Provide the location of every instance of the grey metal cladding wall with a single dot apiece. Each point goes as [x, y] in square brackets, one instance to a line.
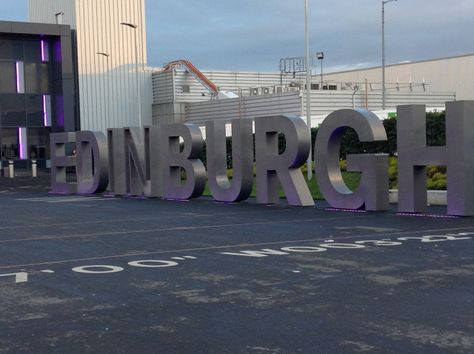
[44, 11]
[162, 84]
[244, 107]
[225, 80]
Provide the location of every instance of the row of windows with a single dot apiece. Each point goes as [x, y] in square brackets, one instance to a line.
[37, 145]
[23, 50]
[22, 111]
[36, 77]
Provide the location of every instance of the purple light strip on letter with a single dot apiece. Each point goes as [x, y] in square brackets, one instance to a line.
[346, 210]
[429, 215]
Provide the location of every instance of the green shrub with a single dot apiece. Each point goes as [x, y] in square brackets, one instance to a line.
[392, 172]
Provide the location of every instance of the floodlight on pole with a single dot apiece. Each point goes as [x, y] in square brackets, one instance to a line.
[320, 56]
[135, 28]
[383, 50]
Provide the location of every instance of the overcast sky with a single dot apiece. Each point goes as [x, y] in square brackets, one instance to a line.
[254, 34]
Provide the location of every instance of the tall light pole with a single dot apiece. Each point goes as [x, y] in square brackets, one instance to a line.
[320, 56]
[383, 50]
[139, 98]
[308, 86]
[107, 103]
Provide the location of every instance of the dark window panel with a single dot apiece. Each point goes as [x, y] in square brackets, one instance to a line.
[37, 78]
[11, 49]
[32, 50]
[9, 144]
[7, 77]
[12, 110]
[34, 111]
[38, 143]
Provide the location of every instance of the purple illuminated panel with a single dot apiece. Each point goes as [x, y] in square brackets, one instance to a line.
[47, 110]
[59, 105]
[44, 51]
[20, 77]
[22, 143]
[57, 51]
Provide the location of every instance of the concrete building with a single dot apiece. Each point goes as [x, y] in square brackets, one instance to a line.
[114, 88]
[36, 90]
[178, 96]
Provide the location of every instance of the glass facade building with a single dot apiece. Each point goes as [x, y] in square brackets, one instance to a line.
[36, 90]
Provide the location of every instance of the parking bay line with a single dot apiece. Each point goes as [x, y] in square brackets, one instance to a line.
[155, 217]
[175, 228]
[212, 248]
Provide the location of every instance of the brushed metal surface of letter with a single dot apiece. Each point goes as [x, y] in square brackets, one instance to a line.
[60, 161]
[284, 168]
[155, 156]
[414, 155]
[221, 187]
[373, 189]
[116, 143]
[174, 160]
[92, 162]
[129, 161]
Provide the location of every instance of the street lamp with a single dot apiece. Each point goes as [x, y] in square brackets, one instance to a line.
[383, 50]
[308, 86]
[106, 56]
[320, 56]
[135, 28]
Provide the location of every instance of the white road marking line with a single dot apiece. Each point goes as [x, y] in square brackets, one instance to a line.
[370, 228]
[20, 277]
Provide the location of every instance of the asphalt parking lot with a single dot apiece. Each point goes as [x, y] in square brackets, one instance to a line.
[128, 275]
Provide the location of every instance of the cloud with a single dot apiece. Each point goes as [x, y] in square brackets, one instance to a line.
[255, 34]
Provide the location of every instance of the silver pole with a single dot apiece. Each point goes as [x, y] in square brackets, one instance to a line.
[383, 51]
[383, 55]
[321, 74]
[308, 87]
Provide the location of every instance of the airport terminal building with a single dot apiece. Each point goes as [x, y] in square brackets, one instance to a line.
[37, 90]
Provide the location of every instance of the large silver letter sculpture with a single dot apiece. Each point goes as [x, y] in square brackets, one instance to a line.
[174, 161]
[242, 160]
[373, 188]
[60, 161]
[155, 162]
[92, 162]
[457, 155]
[129, 161]
[273, 167]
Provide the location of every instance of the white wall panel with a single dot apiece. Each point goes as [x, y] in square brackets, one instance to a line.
[455, 74]
[108, 87]
[244, 108]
